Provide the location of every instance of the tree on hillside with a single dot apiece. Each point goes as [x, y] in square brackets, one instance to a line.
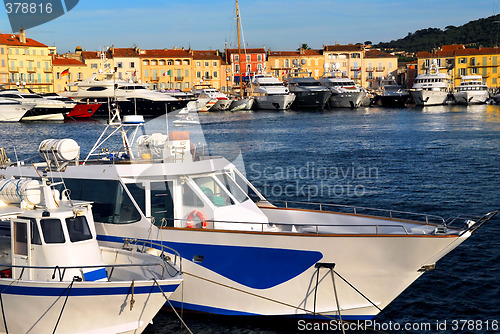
[304, 46]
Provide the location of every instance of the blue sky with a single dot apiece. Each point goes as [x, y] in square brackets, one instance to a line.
[277, 24]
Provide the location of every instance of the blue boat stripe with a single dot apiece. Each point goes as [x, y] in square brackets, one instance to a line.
[83, 291]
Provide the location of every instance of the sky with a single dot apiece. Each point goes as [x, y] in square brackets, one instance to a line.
[277, 24]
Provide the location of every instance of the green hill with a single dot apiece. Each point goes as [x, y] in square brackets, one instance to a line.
[482, 32]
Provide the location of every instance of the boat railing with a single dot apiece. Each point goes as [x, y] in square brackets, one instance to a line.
[144, 245]
[60, 271]
[301, 228]
[359, 210]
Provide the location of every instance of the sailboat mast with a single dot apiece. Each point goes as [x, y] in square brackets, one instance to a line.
[239, 46]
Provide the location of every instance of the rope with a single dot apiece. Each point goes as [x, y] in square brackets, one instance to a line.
[173, 308]
[132, 300]
[64, 305]
[336, 298]
[282, 303]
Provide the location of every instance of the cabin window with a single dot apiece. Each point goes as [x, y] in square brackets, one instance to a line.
[138, 194]
[233, 188]
[242, 183]
[162, 204]
[215, 193]
[111, 203]
[21, 238]
[78, 229]
[52, 231]
[35, 235]
[189, 197]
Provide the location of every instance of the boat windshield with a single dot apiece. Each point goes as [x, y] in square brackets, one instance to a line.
[215, 192]
[233, 188]
[78, 229]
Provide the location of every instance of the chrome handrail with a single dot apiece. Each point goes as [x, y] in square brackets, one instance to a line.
[57, 269]
[356, 209]
[144, 243]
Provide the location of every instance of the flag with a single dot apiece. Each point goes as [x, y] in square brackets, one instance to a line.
[169, 72]
[359, 69]
[65, 72]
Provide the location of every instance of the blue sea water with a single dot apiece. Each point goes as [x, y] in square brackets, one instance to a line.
[442, 160]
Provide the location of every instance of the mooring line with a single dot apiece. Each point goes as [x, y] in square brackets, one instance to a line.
[173, 308]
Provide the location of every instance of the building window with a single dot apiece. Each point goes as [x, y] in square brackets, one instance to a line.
[237, 68]
[185, 62]
[474, 71]
[206, 64]
[215, 74]
[42, 52]
[154, 62]
[198, 64]
[462, 60]
[390, 65]
[259, 57]
[198, 74]
[249, 58]
[355, 55]
[463, 71]
[473, 61]
[177, 62]
[132, 64]
[119, 65]
[58, 75]
[162, 62]
[146, 73]
[287, 63]
[186, 73]
[145, 62]
[93, 66]
[1, 51]
[236, 58]
[155, 75]
[214, 64]
[3, 63]
[259, 67]
[170, 62]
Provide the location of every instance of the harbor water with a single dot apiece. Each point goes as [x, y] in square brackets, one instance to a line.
[442, 160]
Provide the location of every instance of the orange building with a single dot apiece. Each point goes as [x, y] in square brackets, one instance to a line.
[66, 71]
[166, 68]
[207, 68]
[280, 63]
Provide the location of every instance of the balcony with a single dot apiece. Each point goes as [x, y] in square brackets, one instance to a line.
[369, 69]
[355, 69]
[207, 77]
[31, 70]
[380, 69]
[179, 78]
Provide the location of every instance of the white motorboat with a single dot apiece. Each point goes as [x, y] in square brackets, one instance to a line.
[472, 90]
[391, 94]
[241, 254]
[185, 120]
[132, 98]
[309, 92]
[43, 109]
[430, 88]
[345, 93]
[56, 278]
[222, 102]
[241, 103]
[13, 110]
[271, 93]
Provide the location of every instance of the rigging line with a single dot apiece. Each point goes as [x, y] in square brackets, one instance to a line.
[336, 298]
[281, 303]
[173, 308]
[355, 289]
[64, 305]
[1, 305]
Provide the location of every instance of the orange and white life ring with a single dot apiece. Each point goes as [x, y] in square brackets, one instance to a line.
[190, 220]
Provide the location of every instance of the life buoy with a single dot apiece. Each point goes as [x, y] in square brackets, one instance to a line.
[200, 216]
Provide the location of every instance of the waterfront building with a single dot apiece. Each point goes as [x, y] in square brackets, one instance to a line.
[166, 68]
[253, 61]
[127, 63]
[208, 68]
[281, 63]
[67, 70]
[379, 65]
[350, 60]
[29, 62]
[97, 61]
[4, 70]
[459, 61]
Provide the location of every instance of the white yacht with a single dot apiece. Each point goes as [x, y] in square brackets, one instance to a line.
[345, 93]
[271, 93]
[221, 101]
[431, 88]
[13, 110]
[131, 98]
[391, 94]
[43, 109]
[472, 90]
[56, 277]
[241, 254]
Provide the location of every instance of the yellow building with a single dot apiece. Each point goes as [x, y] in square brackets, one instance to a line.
[4, 70]
[280, 63]
[68, 70]
[29, 62]
[378, 65]
[166, 69]
[207, 68]
[350, 60]
[97, 61]
[459, 61]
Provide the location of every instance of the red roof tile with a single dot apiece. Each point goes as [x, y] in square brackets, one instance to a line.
[162, 53]
[62, 61]
[124, 52]
[338, 47]
[378, 54]
[13, 40]
[205, 54]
